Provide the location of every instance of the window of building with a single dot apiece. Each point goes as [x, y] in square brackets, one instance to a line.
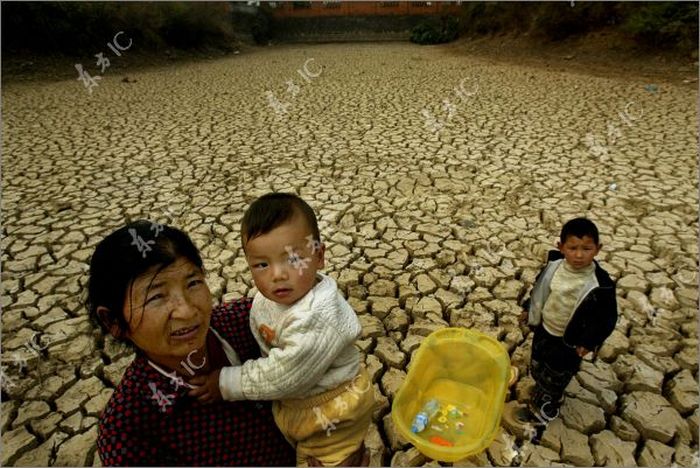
[301, 5]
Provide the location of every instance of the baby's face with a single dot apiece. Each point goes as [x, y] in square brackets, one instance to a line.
[579, 253]
[284, 261]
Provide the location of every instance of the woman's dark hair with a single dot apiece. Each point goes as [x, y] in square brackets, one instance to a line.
[123, 256]
[272, 210]
[579, 227]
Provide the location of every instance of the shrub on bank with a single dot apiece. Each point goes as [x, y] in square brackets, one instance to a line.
[665, 23]
[436, 31]
[74, 28]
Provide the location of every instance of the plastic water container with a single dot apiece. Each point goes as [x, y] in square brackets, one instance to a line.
[467, 372]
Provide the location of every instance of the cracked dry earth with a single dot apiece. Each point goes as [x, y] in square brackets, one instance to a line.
[428, 225]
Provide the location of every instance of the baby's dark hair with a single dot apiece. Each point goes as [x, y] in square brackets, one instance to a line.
[118, 260]
[272, 210]
[579, 227]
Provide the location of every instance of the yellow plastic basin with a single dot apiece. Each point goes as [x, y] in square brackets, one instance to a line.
[460, 368]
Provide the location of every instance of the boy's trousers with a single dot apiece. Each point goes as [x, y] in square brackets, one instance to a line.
[553, 364]
[330, 426]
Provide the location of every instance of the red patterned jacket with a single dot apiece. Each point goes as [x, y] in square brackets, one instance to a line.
[135, 429]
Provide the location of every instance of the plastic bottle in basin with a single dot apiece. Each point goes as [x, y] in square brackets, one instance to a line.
[423, 417]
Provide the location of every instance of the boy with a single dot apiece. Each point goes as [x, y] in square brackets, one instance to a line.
[572, 309]
[306, 332]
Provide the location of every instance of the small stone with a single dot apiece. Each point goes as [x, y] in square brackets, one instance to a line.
[392, 381]
[76, 450]
[396, 440]
[411, 342]
[552, 435]
[388, 352]
[425, 306]
[30, 410]
[114, 372]
[655, 454]
[509, 290]
[687, 359]
[72, 424]
[380, 306]
[7, 413]
[425, 285]
[98, 403]
[694, 424]
[375, 446]
[374, 367]
[480, 459]
[623, 429]
[652, 415]
[410, 457]
[75, 396]
[609, 450]
[425, 327]
[644, 378]
[536, 455]
[365, 345]
[372, 327]
[383, 288]
[682, 391]
[582, 416]
[16, 443]
[41, 456]
[397, 320]
[616, 344]
[632, 283]
[74, 350]
[502, 450]
[575, 448]
[46, 425]
[382, 405]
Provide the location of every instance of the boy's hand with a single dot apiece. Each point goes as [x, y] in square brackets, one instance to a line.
[207, 390]
[581, 351]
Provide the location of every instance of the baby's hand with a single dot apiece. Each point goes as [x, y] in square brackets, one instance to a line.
[207, 390]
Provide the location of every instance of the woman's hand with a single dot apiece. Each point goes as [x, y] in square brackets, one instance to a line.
[581, 351]
[207, 390]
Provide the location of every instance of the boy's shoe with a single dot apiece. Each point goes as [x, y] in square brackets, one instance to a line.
[525, 416]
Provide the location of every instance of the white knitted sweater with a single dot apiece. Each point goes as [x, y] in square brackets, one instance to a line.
[307, 347]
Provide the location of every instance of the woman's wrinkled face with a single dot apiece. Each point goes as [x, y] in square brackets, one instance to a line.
[168, 313]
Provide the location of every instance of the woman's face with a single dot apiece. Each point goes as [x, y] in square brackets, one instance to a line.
[168, 314]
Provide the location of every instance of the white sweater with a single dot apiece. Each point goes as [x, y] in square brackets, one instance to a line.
[311, 347]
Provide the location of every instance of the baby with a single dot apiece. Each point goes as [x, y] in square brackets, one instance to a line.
[306, 332]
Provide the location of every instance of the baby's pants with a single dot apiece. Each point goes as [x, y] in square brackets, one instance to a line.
[330, 426]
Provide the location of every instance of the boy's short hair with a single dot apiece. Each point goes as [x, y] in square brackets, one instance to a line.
[272, 210]
[579, 227]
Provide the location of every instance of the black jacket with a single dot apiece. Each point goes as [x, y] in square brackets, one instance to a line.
[596, 315]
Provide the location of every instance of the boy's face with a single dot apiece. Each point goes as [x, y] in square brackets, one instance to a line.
[283, 263]
[579, 252]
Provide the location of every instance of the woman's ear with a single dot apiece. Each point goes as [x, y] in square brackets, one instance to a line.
[104, 315]
[321, 256]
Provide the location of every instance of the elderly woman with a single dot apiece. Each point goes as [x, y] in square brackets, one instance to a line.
[147, 287]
